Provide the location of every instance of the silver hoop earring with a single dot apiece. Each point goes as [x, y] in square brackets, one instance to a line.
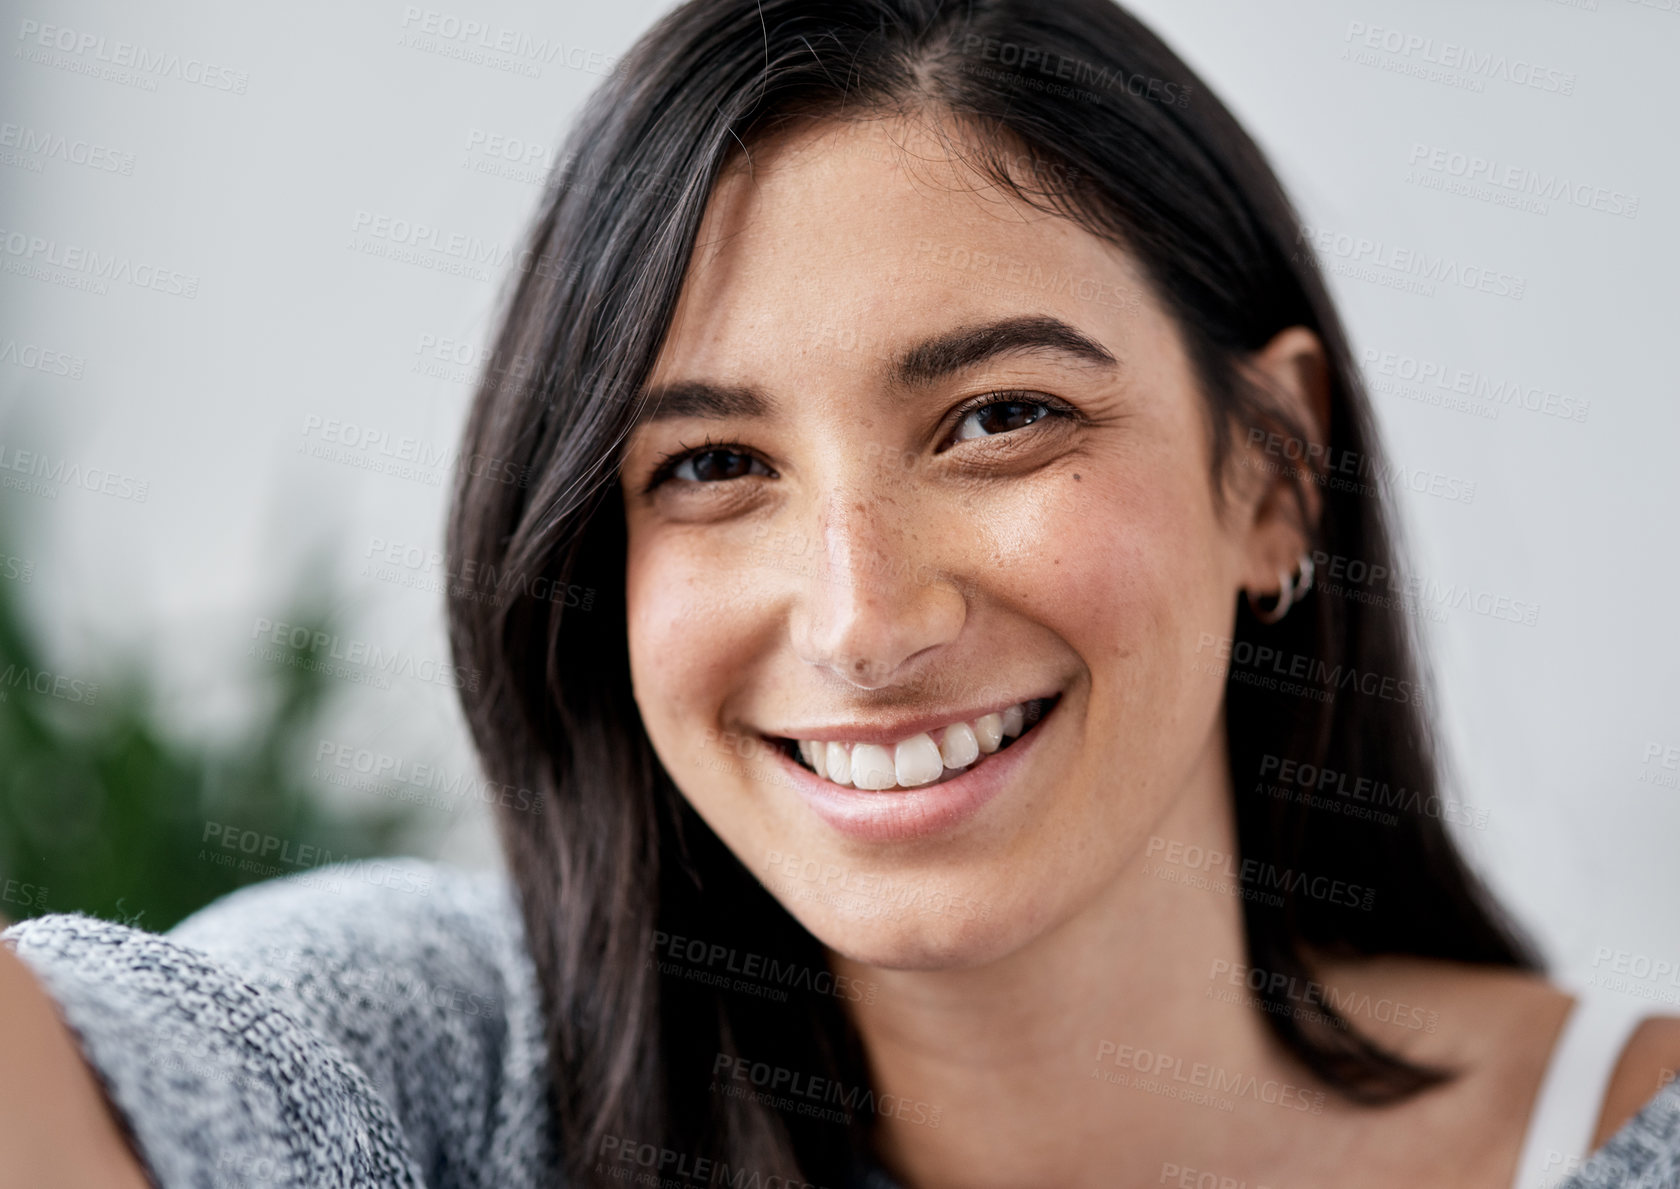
[1290, 592]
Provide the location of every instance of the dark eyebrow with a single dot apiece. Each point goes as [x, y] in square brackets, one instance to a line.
[693, 398]
[928, 361]
[969, 346]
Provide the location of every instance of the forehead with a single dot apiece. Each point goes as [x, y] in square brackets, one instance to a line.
[846, 241]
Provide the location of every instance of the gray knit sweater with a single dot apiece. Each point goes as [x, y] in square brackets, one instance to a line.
[377, 1024]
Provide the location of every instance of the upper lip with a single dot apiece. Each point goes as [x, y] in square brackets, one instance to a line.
[887, 731]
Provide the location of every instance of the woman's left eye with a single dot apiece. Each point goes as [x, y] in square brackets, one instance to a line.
[1001, 416]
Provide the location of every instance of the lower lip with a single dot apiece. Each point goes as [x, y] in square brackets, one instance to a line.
[901, 815]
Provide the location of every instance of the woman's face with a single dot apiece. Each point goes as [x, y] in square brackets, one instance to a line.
[865, 556]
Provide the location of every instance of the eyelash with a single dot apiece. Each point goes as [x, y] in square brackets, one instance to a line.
[670, 462]
[1054, 408]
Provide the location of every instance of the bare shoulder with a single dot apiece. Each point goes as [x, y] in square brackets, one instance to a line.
[1492, 1017]
[1647, 1064]
[1491, 1028]
[1509, 1020]
[1500, 1026]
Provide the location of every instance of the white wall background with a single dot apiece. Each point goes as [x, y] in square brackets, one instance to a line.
[258, 195]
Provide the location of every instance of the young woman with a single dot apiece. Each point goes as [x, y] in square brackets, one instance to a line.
[957, 779]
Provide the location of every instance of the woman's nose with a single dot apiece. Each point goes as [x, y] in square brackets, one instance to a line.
[878, 598]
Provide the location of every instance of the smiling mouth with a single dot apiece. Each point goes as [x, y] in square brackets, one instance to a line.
[922, 760]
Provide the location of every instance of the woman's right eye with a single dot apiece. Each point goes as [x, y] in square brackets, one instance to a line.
[716, 464]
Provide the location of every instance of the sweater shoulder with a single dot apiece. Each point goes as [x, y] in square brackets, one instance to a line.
[1645, 1152]
[420, 973]
[388, 998]
[398, 915]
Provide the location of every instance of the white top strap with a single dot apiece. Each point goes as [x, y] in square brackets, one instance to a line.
[1560, 1127]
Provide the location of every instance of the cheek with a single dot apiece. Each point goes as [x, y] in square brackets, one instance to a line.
[1123, 562]
[1127, 568]
[695, 616]
[678, 619]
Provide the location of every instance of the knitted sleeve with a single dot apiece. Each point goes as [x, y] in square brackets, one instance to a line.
[367, 1024]
[1644, 1154]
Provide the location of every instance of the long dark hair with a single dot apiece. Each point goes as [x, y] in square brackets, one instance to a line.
[1129, 143]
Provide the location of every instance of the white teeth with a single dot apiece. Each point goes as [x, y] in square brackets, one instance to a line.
[872, 766]
[916, 761]
[838, 761]
[960, 748]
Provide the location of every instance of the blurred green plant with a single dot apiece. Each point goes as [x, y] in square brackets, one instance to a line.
[103, 812]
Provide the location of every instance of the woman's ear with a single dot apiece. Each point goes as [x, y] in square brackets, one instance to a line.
[1295, 373]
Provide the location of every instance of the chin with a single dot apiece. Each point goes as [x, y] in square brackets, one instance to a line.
[951, 932]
